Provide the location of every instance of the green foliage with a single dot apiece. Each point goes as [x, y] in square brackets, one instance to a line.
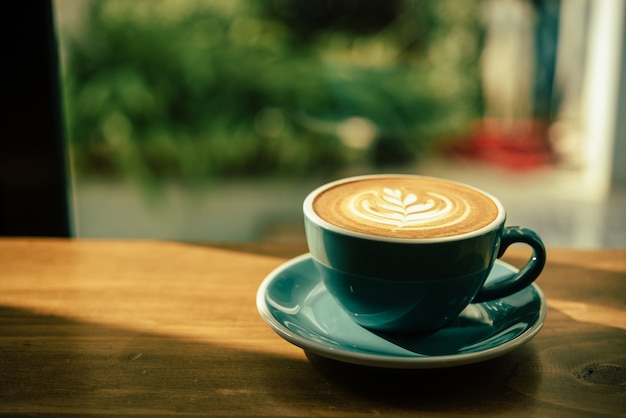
[198, 89]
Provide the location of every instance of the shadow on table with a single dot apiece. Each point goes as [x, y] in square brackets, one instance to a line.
[63, 367]
[479, 387]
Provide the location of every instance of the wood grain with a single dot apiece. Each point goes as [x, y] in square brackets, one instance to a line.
[145, 328]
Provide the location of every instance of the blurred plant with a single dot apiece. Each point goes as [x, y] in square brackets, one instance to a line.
[198, 89]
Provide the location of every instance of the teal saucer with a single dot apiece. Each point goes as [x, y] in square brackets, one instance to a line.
[295, 304]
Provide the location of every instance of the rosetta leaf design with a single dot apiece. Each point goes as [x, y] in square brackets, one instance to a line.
[401, 209]
[399, 205]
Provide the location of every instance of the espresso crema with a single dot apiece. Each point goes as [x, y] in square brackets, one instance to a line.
[406, 207]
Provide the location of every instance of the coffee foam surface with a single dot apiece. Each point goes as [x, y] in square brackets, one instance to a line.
[406, 207]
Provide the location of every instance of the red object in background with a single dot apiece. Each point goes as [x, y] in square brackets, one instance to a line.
[515, 144]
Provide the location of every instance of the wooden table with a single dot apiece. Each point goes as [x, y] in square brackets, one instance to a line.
[145, 328]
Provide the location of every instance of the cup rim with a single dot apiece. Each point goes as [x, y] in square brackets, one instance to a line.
[316, 219]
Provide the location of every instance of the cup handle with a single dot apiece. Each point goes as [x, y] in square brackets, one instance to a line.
[526, 274]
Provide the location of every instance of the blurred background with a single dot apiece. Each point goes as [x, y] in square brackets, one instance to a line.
[210, 120]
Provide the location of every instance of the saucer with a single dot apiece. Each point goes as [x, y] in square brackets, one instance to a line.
[296, 305]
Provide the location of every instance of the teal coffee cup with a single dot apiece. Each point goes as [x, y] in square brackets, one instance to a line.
[407, 253]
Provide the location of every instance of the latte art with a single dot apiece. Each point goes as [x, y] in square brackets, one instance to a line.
[406, 207]
[405, 210]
